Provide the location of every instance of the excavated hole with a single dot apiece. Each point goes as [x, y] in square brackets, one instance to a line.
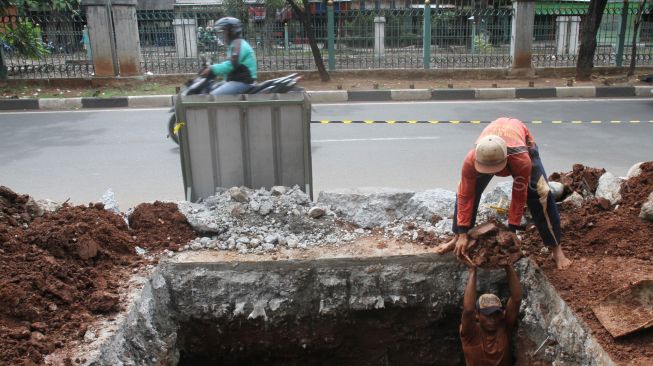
[409, 336]
[402, 310]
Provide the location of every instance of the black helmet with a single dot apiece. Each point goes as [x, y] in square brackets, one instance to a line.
[231, 26]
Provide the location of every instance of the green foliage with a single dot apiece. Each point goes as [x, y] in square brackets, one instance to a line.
[482, 43]
[23, 6]
[25, 38]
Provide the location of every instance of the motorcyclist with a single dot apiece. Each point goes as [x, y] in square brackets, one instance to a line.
[239, 69]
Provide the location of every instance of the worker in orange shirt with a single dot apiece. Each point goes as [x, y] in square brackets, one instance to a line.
[506, 148]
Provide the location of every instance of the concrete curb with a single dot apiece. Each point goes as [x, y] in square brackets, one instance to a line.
[342, 96]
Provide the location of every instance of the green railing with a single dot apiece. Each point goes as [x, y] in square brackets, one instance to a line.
[557, 35]
[62, 35]
[178, 41]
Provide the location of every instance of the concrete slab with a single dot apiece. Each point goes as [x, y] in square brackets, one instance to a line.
[60, 103]
[411, 94]
[328, 96]
[495, 93]
[149, 101]
[576, 92]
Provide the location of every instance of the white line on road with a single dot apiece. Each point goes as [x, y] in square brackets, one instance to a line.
[381, 139]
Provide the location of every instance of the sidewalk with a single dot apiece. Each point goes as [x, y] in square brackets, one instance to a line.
[346, 87]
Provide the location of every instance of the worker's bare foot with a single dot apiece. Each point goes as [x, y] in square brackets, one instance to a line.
[562, 262]
[446, 247]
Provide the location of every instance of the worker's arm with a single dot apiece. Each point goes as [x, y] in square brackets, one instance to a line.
[512, 308]
[466, 194]
[520, 166]
[469, 304]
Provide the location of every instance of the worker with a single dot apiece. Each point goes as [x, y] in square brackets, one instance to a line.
[506, 147]
[486, 327]
[240, 67]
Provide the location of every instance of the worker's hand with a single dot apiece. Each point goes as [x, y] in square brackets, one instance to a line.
[461, 246]
[206, 72]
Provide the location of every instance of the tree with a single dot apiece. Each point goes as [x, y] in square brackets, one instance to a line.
[633, 51]
[305, 19]
[588, 39]
[20, 34]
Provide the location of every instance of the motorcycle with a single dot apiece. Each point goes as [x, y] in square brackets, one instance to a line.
[205, 85]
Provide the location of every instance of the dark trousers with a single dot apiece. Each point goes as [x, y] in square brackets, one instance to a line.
[540, 202]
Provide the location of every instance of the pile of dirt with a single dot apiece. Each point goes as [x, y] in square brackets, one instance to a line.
[581, 179]
[611, 247]
[160, 225]
[62, 269]
[492, 245]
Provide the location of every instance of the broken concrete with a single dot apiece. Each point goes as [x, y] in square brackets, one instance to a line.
[647, 209]
[367, 207]
[425, 204]
[609, 188]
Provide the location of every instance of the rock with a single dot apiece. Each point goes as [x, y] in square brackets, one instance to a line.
[426, 204]
[574, 200]
[483, 229]
[268, 247]
[140, 251]
[37, 336]
[316, 212]
[557, 190]
[647, 209]
[89, 336]
[367, 207]
[292, 242]
[48, 206]
[603, 203]
[272, 238]
[278, 190]
[634, 170]
[238, 194]
[266, 207]
[609, 187]
[500, 196]
[443, 227]
[109, 201]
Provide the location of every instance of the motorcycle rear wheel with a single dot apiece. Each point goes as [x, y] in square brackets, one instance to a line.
[171, 129]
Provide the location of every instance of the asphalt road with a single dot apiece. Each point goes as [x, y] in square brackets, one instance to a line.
[81, 154]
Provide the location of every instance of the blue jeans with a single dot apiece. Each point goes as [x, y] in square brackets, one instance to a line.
[231, 88]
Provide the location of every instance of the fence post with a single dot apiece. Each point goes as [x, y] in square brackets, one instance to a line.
[521, 39]
[100, 32]
[379, 38]
[622, 34]
[128, 46]
[285, 36]
[426, 44]
[330, 35]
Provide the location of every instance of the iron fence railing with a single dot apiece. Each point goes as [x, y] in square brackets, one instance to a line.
[557, 34]
[177, 41]
[62, 34]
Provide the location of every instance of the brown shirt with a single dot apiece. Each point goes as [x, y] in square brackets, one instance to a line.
[482, 349]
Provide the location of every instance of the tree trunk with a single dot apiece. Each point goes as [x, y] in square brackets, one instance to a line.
[633, 51]
[3, 67]
[305, 18]
[588, 39]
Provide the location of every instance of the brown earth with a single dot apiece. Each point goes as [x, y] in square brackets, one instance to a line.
[59, 271]
[611, 248]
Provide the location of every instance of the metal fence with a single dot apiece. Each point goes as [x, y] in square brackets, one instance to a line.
[63, 37]
[557, 35]
[176, 41]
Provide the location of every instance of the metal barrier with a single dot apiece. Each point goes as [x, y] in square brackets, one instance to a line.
[247, 140]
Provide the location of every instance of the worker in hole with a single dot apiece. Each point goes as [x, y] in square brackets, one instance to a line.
[506, 148]
[486, 327]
